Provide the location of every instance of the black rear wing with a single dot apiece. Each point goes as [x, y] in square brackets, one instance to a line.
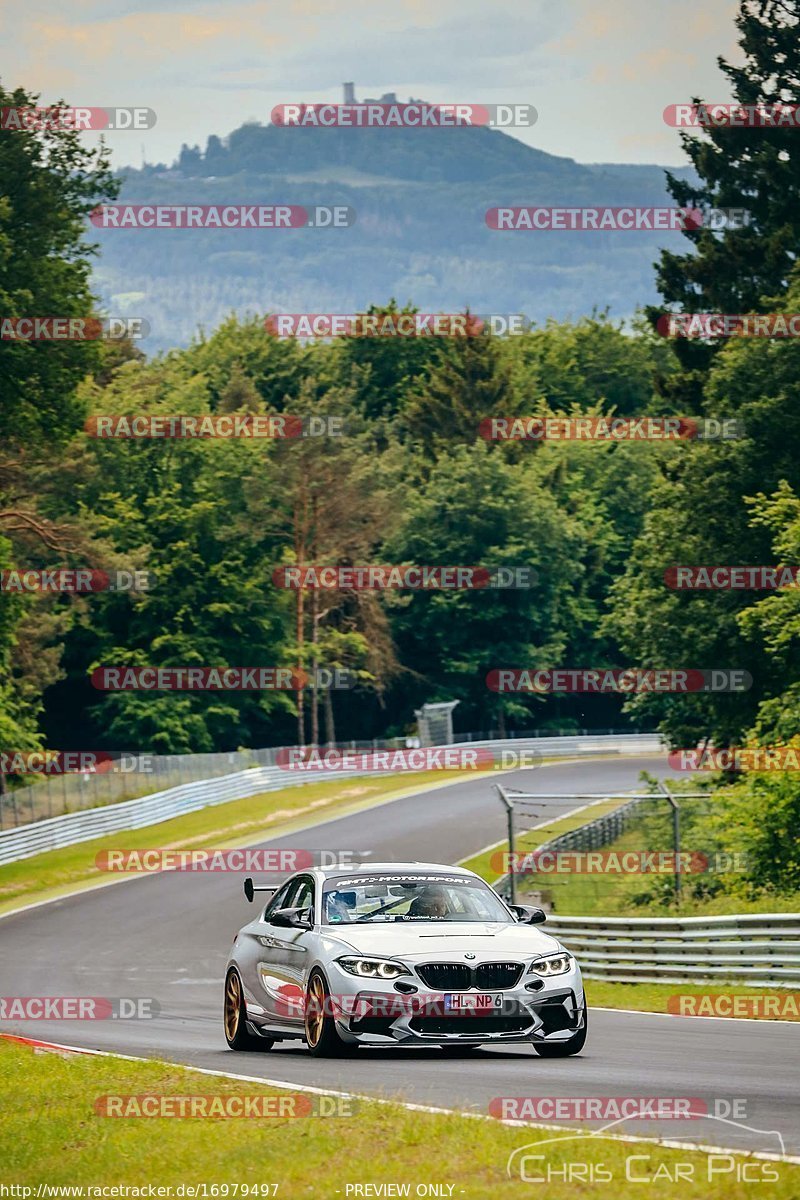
[251, 888]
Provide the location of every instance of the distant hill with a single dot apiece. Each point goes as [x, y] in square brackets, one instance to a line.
[420, 234]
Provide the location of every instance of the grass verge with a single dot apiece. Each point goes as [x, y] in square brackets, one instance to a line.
[481, 863]
[654, 997]
[620, 894]
[54, 1136]
[609, 894]
[230, 825]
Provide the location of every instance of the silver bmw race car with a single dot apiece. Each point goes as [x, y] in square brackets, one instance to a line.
[407, 953]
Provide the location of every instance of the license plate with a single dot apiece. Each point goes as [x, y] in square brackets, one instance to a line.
[472, 1002]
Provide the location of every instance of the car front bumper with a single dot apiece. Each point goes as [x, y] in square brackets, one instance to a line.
[375, 1012]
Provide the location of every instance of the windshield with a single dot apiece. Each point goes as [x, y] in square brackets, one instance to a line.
[412, 897]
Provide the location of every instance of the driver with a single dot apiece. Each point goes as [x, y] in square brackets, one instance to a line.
[431, 902]
[341, 905]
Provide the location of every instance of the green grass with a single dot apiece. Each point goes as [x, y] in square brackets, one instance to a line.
[531, 838]
[615, 895]
[581, 895]
[53, 1135]
[242, 821]
[619, 894]
[654, 997]
[224, 826]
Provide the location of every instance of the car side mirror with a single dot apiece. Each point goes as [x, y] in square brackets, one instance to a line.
[528, 915]
[289, 918]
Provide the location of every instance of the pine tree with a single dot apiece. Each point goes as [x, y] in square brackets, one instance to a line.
[752, 168]
[472, 383]
[240, 393]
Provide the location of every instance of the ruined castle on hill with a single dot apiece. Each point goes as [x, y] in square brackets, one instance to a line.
[386, 98]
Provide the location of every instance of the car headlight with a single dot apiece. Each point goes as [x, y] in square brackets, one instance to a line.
[553, 964]
[372, 968]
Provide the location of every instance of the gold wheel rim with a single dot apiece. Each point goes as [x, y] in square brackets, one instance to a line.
[315, 1011]
[233, 999]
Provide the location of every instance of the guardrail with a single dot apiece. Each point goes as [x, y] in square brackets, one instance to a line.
[71, 828]
[757, 949]
[134, 776]
[90, 823]
[516, 735]
[619, 743]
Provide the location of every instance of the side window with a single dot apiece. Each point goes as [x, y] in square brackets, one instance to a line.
[291, 900]
[279, 899]
[303, 898]
[297, 893]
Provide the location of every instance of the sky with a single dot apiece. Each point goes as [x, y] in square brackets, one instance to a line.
[599, 74]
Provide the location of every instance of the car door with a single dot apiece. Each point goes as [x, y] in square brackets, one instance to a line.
[284, 954]
[252, 952]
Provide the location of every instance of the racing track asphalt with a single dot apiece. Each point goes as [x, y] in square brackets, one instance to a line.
[166, 936]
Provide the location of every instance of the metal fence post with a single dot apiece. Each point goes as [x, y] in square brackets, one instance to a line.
[512, 886]
[676, 837]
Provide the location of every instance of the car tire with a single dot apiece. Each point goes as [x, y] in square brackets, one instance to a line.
[320, 1028]
[234, 1014]
[573, 1045]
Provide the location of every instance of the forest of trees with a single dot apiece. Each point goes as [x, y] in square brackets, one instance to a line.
[411, 481]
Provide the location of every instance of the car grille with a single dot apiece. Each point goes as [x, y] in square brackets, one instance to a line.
[492, 977]
[446, 977]
[475, 1026]
[458, 977]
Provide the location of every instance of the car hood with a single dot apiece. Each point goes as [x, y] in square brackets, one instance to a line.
[442, 940]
